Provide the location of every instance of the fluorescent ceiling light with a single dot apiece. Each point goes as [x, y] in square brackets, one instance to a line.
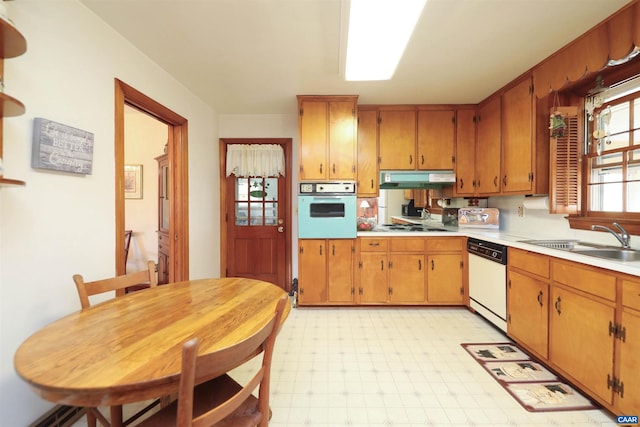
[379, 31]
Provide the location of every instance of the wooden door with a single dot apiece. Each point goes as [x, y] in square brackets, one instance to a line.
[313, 140]
[517, 138]
[488, 148]
[373, 281]
[528, 311]
[436, 139]
[368, 153]
[406, 278]
[629, 362]
[465, 164]
[340, 253]
[255, 228]
[444, 278]
[579, 340]
[312, 271]
[342, 140]
[397, 135]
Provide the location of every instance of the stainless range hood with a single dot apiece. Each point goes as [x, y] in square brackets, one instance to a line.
[418, 180]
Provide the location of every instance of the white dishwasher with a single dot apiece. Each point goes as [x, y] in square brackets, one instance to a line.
[488, 280]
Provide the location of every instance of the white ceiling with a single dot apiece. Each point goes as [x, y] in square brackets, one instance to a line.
[255, 56]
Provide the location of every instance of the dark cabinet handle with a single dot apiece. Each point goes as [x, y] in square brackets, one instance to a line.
[461, 183]
[372, 184]
[495, 181]
[419, 264]
[334, 168]
[382, 265]
[410, 159]
[422, 157]
[374, 243]
[557, 305]
[540, 298]
[333, 250]
[433, 265]
[504, 180]
[320, 249]
[320, 167]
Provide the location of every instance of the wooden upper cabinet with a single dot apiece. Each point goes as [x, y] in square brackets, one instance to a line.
[465, 164]
[517, 138]
[397, 133]
[436, 139]
[367, 153]
[488, 148]
[327, 137]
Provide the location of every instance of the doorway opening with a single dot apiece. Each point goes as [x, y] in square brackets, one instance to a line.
[176, 179]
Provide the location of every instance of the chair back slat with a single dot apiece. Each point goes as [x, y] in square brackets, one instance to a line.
[87, 289]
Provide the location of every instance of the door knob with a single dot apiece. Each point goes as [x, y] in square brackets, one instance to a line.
[281, 229]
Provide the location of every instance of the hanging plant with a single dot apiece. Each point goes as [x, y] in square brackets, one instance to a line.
[557, 124]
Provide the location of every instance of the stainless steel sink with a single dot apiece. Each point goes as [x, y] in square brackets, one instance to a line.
[613, 254]
[589, 249]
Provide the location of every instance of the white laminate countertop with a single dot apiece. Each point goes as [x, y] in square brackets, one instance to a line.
[497, 236]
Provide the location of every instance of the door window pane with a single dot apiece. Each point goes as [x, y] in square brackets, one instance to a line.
[257, 201]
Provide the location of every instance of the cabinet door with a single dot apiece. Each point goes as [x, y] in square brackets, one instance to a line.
[488, 148]
[528, 312]
[312, 271]
[436, 139]
[367, 153]
[444, 278]
[465, 164]
[342, 140]
[579, 340]
[406, 278]
[313, 140]
[629, 402]
[517, 138]
[397, 133]
[373, 277]
[340, 270]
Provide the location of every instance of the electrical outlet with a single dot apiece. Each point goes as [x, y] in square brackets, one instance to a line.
[521, 211]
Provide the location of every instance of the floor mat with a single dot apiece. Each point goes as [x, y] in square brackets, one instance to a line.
[535, 387]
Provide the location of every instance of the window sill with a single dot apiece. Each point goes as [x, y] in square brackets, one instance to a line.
[585, 222]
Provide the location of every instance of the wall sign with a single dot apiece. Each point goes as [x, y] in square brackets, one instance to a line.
[62, 148]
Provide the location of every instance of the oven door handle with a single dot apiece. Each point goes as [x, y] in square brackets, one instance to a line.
[327, 197]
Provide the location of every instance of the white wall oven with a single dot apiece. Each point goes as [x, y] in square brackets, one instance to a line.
[327, 210]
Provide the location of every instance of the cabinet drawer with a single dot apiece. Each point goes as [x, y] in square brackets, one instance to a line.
[374, 245]
[631, 294]
[164, 243]
[528, 261]
[445, 244]
[407, 245]
[584, 279]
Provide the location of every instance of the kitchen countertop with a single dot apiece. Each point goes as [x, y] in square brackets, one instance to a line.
[503, 238]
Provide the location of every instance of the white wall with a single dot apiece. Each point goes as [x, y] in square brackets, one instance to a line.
[540, 224]
[145, 138]
[270, 126]
[60, 224]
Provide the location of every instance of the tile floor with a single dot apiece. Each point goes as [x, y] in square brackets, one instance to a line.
[404, 367]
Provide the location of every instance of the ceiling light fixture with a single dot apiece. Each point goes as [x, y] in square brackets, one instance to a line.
[379, 31]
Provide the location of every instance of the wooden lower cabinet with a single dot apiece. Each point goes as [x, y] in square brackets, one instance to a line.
[528, 312]
[528, 300]
[579, 339]
[627, 397]
[325, 271]
[582, 321]
[411, 270]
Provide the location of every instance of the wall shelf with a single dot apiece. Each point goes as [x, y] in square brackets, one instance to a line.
[8, 181]
[12, 42]
[10, 107]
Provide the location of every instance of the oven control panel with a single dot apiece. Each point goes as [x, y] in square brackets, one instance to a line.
[328, 187]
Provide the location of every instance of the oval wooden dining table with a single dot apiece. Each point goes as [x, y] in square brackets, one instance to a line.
[128, 349]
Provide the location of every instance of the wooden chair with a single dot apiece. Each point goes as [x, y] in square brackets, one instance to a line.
[222, 402]
[85, 290]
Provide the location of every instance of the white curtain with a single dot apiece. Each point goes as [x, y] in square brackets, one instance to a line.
[255, 160]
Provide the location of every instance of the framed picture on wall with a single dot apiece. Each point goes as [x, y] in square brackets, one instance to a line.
[133, 181]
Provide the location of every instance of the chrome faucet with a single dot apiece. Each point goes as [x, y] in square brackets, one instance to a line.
[623, 237]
